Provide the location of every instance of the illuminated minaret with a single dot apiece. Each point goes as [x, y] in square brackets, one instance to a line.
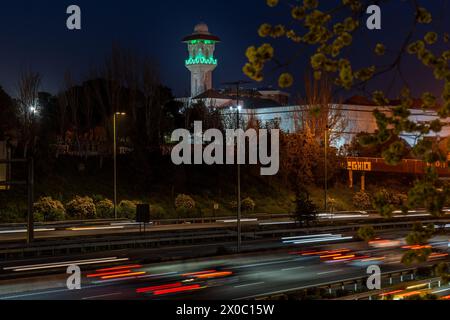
[201, 62]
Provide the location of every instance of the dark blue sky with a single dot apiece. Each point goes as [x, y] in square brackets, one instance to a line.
[33, 34]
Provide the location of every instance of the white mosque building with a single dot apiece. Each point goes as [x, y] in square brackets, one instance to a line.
[270, 104]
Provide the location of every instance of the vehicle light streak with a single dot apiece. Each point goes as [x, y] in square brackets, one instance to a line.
[390, 293]
[417, 286]
[24, 230]
[158, 288]
[99, 275]
[95, 228]
[330, 239]
[235, 220]
[214, 275]
[64, 264]
[124, 275]
[177, 290]
[309, 236]
[440, 291]
[409, 294]
[197, 273]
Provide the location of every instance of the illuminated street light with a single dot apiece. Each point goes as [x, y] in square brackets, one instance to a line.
[33, 110]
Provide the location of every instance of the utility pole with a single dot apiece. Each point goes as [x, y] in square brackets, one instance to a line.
[115, 159]
[239, 226]
[326, 168]
[115, 165]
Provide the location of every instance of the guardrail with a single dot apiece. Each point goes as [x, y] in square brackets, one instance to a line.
[67, 247]
[175, 237]
[356, 283]
[64, 224]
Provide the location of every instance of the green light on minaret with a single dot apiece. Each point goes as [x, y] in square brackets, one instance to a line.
[202, 41]
[201, 59]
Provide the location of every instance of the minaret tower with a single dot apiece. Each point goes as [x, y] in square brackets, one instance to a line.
[201, 62]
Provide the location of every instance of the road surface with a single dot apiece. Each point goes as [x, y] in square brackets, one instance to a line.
[234, 277]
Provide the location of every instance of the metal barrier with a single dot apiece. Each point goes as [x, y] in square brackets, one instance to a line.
[336, 285]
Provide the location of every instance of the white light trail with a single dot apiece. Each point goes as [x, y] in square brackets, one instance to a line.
[65, 264]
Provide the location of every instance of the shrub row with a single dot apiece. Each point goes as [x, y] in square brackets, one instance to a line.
[364, 201]
[80, 208]
[97, 207]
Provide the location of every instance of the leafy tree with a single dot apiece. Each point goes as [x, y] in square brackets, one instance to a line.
[382, 203]
[419, 235]
[442, 270]
[366, 233]
[28, 110]
[325, 33]
[305, 209]
[358, 148]
[299, 154]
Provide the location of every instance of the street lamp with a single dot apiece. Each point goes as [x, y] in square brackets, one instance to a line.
[116, 115]
[327, 128]
[33, 110]
[238, 109]
[239, 226]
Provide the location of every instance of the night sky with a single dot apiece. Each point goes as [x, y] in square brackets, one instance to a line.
[33, 34]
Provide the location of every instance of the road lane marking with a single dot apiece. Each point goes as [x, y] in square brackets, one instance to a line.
[33, 294]
[295, 268]
[102, 296]
[328, 272]
[250, 284]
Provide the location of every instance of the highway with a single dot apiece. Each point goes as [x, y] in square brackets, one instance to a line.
[222, 278]
[16, 233]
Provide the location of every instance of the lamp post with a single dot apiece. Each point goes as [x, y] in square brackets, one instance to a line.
[116, 115]
[326, 167]
[239, 212]
[239, 209]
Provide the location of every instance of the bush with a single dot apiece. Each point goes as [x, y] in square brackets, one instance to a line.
[362, 201]
[105, 209]
[157, 212]
[47, 209]
[366, 233]
[248, 205]
[233, 205]
[185, 206]
[98, 198]
[14, 212]
[184, 202]
[399, 199]
[127, 210]
[81, 208]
